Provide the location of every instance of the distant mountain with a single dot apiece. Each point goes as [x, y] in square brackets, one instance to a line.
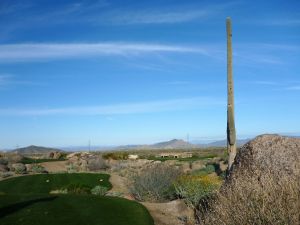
[175, 143]
[172, 144]
[35, 150]
[223, 143]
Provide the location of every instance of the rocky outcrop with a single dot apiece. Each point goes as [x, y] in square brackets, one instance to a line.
[272, 154]
[54, 155]
[3, 168]
[84, 161]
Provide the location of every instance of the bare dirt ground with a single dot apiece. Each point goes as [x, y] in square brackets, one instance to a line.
[55, 167]
[169, 213]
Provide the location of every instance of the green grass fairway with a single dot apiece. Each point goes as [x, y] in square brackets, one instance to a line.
[26, 202]
[37, 184]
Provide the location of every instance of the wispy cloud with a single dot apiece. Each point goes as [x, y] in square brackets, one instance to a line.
[264, 82]
[181, 13]
[282, 22]
[7, 80]
[151, 17]
[293, 88]
[266, 53]
[124, 108]
[37, 51]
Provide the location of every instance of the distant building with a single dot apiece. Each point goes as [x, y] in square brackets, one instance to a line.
[176, 155]
[134, 157]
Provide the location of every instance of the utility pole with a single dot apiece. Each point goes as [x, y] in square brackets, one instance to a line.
[231, 133]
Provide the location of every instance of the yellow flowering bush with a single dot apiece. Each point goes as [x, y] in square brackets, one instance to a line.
[193, 188]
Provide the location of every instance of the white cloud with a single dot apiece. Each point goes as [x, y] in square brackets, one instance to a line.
[42, 51]
[124, 108]
[293, 88]
[282, 22]
[7, 80]
[153, 17]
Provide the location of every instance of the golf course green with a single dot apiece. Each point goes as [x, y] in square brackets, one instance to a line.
[26, 200]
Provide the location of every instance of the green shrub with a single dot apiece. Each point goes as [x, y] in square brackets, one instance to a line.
[78, 189]
[116, 155]
[207, 170]
[154, 183]
[59, 191]
[71, 168]
[194, 188]
[6, 174]
[36, 168]
[3, 161]
[99, 190]
[19, 168]
[97, 164]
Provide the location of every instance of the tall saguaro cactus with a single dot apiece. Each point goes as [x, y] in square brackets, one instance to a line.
[231, 133]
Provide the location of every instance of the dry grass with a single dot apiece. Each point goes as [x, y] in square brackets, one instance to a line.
[271, 199]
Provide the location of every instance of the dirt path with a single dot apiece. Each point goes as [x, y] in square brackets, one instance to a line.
[169, 213]
[55, 167]
[119, 186]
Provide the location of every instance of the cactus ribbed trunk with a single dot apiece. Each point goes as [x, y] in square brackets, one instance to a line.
[231, 133]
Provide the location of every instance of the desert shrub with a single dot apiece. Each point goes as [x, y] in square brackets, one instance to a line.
[19, 168]
[99, 190]
[116, 155]
[194, 188]
[3, 161]
[78, 189]
[36, 168]
[63, 155]
[6, 174]
[154, 183]
[272, 199]
[97, 164]
[14, 157]
[71, 168]
[59, 191]
[209, 168]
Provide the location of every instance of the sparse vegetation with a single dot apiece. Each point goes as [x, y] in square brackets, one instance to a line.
[97, 164]
[190, 159]
[116, 155]
[194, 188]
[27, 160]
[78, 188]
[154, 183]
[99, 190]
[36, 168]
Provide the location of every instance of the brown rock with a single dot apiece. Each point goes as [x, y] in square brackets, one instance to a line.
[268, 153]
[3, 168]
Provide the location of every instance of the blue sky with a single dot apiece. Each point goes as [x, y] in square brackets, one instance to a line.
[130, 72]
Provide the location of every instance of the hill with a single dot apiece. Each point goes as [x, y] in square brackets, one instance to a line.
[175, 143]
[32, 149]
[172, 144]
[223, 143]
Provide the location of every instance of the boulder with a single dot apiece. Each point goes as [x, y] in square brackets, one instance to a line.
[28, 167]
[3, 168]
[54, 155]
[272, 154]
